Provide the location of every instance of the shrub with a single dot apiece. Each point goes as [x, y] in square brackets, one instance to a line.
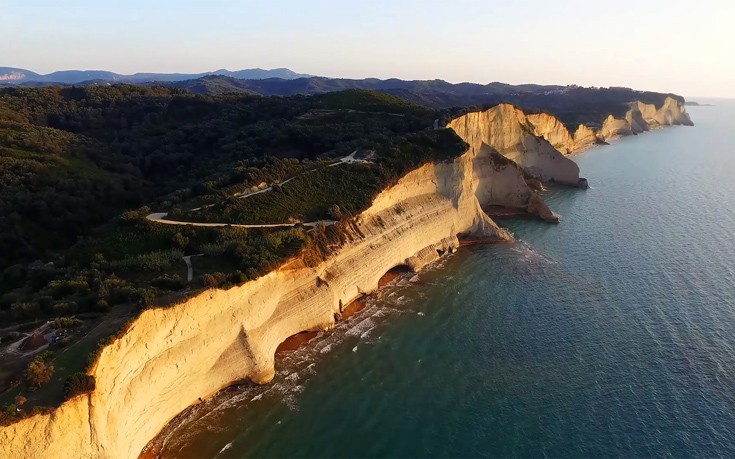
[237, 277]
[66, 322]
[133, 216]
[145, 297]
[214, 280]
[64, 287]
[159, 261]
[180, 241]
[78, 383]
[65, 307]
[168, 282]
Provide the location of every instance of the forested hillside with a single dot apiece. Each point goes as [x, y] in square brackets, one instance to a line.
[572, 104]
[71, 159]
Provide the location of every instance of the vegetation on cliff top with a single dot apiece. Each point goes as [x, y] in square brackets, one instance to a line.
[71, 158]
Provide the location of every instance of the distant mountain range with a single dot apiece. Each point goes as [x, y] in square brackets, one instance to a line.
[11, 75]
[564, 101]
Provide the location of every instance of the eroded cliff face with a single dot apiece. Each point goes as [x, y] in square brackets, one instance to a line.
[170, 357]
[550, 128]
[508, 130]
[643, 117]
[584, 137]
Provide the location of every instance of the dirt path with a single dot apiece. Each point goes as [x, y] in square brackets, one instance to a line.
[159, 217]
[190, 267]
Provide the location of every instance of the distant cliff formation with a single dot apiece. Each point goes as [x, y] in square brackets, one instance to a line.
[170, 357]
[643, 117]
[526, 140]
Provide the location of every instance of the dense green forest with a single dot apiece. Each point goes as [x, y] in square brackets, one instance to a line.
[71, 159]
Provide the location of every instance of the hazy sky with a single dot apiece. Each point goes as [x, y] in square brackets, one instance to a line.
[687, 47]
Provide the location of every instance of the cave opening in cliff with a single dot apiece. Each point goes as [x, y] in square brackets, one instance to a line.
[393, 273]
[296, 341]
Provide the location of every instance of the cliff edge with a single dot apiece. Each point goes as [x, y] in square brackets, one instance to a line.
[170, 357]
[509, 130]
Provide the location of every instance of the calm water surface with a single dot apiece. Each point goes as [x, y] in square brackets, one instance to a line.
[610, 334]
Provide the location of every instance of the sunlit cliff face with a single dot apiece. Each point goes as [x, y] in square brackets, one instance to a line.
[171, 357]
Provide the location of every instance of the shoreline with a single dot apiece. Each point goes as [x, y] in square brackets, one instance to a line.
[294, 347]
[303, 339]
[418, 252]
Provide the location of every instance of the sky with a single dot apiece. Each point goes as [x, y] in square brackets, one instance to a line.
[686, 47]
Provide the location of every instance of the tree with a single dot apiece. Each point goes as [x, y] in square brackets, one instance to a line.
[335, 212]
[39, 372]
[180, 241]
[78, 383]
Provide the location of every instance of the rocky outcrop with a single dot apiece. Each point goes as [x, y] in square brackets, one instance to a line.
[508, 130]
[672, 113]
[584, 137]
[635, 120]
[642, 117]
[501, 182]
[550, 128]
[613, 128]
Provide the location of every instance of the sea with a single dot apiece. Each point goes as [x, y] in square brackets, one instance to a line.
[610, 334]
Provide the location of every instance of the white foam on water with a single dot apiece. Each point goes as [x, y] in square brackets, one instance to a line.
[360, 328]
[294, 368]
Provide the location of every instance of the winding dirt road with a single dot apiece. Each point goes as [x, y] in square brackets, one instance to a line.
[160, 217]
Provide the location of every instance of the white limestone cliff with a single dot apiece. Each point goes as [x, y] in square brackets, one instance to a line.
[584, 137]
[550, 128]
[172, 356]
[508, 130]
[642, 117]
[613, 127]
[169, 357]
[639, 118]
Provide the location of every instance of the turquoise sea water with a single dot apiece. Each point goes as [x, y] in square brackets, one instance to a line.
[610, 334]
